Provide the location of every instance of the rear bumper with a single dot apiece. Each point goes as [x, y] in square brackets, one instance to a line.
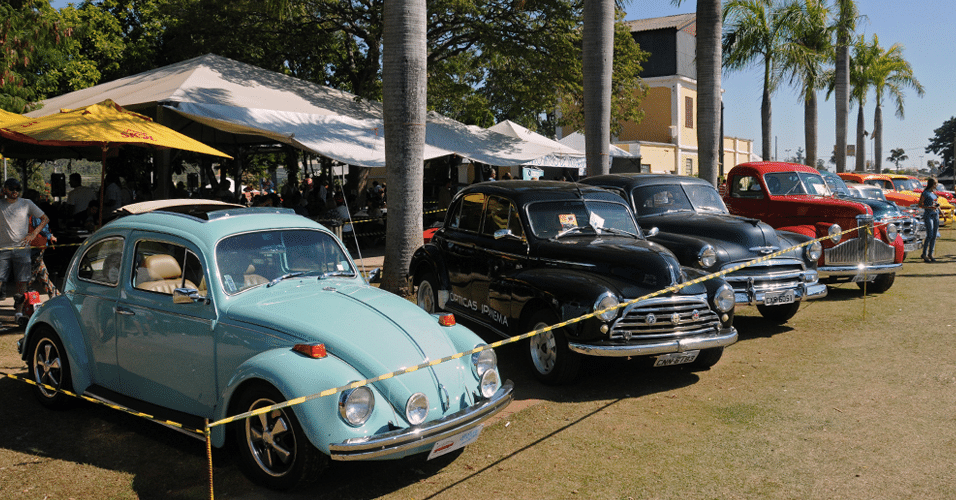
[402, 442]
[725, 337]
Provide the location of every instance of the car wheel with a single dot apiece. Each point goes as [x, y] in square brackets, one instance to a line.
[50, 369]
[427, 297]
[707, 358]
[551, 359]
[274, 450]
[881, 284]
[778, 314]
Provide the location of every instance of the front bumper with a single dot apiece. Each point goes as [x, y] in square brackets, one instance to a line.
[816, 290]
[725, 337]
[400, 442]
[867, 271]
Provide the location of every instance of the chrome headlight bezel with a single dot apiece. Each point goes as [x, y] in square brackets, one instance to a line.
[483, 361]
[489, 384]
[891, 232]
[607, 300]
[356, 405]
[835, 233]
[814, 251]
[416, 408]
[724, 299]
[707, 256]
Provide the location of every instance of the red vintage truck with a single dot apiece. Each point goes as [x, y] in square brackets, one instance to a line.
[794, 197]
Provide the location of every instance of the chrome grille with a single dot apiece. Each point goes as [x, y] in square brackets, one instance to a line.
[775, 274]
[654, 319]
[858, 250]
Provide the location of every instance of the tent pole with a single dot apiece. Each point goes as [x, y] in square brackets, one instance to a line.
[102, 186]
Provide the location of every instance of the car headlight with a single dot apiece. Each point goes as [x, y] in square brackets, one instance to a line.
[416, 409]
[356, 405]
[724, 298]
[484, 361]
[814, 251]
[891, 232]
[835, 233]
[489, 383]
[707, 256]
[811, 276]
[607, 301]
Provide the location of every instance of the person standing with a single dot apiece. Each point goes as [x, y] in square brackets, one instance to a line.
[15, 238]
[79, 196]
[928, 201]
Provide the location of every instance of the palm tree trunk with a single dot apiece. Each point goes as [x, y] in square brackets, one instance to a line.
[842, 93]
[765, 113]
[403, 99]
[860, 141]
[708, 88]
[598, 61]
[878, 139]
[810, 127]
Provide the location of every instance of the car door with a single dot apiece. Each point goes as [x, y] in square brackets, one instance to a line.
[504, 255]
[746, 196]
[467, 269]
[94, 294]
[166, 348]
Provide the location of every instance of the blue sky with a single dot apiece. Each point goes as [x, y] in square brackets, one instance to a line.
[926, 31]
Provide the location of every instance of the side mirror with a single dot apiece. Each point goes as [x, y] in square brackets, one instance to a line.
[505, 233]
[188, 296]
[652, 232]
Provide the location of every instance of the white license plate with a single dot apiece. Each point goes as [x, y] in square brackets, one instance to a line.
[676, 358]
[777, 298]
[455, 442]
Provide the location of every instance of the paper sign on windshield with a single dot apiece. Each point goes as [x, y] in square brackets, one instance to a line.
[567, 221]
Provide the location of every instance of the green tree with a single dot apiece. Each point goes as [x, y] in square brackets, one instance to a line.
[808, 54]
[890, 74]
[29, 30]
[943, 141]
[756, 32]
[897, 156]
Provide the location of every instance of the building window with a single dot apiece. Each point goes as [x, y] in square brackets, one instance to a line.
[689, 112]
[689, 167]
[645, 167]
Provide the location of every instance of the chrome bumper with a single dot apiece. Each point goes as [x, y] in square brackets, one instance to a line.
[869, 270]
[400, 442]
[913, 246]
[725, 337]
[809, 292]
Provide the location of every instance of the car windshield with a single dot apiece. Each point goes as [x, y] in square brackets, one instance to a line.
[669, 198]
[259, 258]
[557, 219]
[836, 184]
[907, 185]
[787, 183]
[871, 192]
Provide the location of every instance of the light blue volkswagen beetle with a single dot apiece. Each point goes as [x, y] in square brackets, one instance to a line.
[190, 311]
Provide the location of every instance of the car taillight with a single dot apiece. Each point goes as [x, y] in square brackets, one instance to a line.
[447, 319]
[315, 351]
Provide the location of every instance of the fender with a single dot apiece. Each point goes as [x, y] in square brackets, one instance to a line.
[685, 247]
[791, 239]
[808, 231]
[296, 375]
[428, 256]
[58, 314]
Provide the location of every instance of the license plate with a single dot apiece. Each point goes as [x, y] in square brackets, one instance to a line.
[455, 442]
[676, 358]
[776, 298]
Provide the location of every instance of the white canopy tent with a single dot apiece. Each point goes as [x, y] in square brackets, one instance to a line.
[567, 152]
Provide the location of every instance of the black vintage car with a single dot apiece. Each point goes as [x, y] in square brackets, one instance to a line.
[686, 215]
[516, 256]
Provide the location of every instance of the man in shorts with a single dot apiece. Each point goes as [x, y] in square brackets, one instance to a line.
[15, 238]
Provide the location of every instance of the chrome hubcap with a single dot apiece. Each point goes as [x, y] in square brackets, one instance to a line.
[544, 352]
[271, 440]
[426, 297]
[46, 368]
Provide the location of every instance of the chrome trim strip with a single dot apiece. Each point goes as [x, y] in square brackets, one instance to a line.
[871, 270]
[726, 337]
[399, 441]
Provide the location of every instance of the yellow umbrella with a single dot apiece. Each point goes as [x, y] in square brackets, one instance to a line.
[7, 118]
[105, 125]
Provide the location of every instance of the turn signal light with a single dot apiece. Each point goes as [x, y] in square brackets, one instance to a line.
[446, 319]
[315, 351]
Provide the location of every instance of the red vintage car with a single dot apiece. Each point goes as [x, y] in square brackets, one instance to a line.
[793, 197]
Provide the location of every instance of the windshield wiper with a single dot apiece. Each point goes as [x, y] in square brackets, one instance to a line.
[570, 230]
[350, 274]
[284, 276]
[615, 230]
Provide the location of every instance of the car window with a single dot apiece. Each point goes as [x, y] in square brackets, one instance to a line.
[783, 183]
[251, 259]
[162, 267]
[468, 217]
[746, 186]
[549, 219]
[650, 200]
[501, 214]
[814, 184]
[101, 263]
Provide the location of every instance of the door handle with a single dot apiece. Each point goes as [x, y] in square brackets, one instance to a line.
[124, 311]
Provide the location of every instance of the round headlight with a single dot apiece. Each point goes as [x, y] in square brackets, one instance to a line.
[356, 405]
[724, 298]
[489, 383]
[707, 256]
[891, 232]
[416, 409]
[814, 251]
[607, 301]
[483, 361]
[835, 233]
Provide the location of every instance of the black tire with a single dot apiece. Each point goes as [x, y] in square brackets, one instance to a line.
[707, 358]
[881, 284]
[551, 360]
[273, 449]
[49, 366]
[427, 294]
[779, 314]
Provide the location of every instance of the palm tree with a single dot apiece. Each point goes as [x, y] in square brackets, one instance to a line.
[810, 50]
[709, 55]
[861, 79]
[598, 64]
[757, 32]
[890, 74]
[403, 100]
[897, 156]
[845, 25]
